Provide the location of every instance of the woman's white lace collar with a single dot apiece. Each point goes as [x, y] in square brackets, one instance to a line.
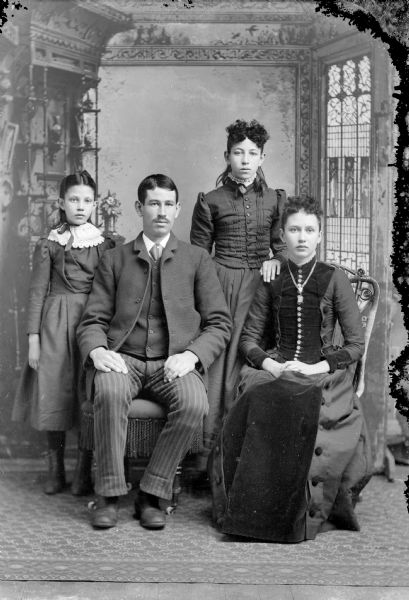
[246, 182]
[79, 236]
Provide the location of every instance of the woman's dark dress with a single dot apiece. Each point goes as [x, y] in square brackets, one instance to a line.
[243, 225]
[292, 448]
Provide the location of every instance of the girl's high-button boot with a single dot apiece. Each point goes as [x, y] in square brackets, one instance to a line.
[55, 481]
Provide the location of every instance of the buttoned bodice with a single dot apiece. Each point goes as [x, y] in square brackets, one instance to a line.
[240, 222]
[300, 323]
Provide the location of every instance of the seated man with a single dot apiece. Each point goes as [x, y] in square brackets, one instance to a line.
[155, 320]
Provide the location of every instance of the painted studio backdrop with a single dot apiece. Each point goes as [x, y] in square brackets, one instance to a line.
[125, 88]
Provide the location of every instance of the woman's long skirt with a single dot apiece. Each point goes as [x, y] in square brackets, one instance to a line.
[292, 456]
[239, 287]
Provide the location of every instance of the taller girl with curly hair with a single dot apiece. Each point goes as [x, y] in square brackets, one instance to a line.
[239, 220]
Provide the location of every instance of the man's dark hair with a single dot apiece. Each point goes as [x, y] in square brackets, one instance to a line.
[156, 181]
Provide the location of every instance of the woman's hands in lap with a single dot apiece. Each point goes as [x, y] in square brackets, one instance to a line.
[305, 369]
[272, 366]
[276, 369]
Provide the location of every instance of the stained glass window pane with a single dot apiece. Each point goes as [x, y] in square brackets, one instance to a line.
[349, 77]
[349, 110]
[364, 108]
[334, 78]
[364, 77]
[334, 112]
[348, 193]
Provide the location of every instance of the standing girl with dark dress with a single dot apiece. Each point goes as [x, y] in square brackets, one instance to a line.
[64, 262]
[241, 220]
[292, 455]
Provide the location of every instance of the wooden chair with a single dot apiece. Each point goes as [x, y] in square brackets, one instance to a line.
[366, 291]
[146, 420]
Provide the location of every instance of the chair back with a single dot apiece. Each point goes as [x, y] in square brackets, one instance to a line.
[366, 291]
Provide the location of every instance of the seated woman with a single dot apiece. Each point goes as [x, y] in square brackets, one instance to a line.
[292, 456]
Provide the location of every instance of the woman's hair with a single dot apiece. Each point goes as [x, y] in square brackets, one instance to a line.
[77, 178]
[296, 204]
[152, 182]
[237, 132]
[240, 130]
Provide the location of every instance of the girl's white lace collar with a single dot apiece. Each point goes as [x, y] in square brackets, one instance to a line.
[79, 236]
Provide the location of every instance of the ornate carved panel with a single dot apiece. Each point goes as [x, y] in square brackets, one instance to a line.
[141, 55]
[72, 35]
[210, 11]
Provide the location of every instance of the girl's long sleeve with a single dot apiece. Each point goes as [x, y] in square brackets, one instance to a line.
[39, 285]
[202, 229]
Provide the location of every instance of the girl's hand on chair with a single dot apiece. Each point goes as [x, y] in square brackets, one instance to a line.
[107, 360]
[270, 269]
[34, 350]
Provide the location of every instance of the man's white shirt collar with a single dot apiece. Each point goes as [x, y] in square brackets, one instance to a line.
[149, 243]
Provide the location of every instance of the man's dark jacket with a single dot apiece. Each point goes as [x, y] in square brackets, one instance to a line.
[196, 312]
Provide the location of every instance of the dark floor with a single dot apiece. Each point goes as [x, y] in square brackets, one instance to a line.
[48, 550]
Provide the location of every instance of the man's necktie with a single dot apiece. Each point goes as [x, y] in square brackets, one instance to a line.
[156, 252]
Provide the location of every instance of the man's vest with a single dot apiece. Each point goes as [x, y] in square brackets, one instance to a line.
[149, 338]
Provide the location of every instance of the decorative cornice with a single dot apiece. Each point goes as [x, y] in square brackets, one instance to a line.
[140, 55]
[106, 11]
[70, 43]
[219, 5]
[206, 16]
[65, 24]
[71, 35]
[216, 11]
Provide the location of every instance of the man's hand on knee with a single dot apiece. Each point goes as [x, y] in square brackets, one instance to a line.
[179, 365]
[107, 360]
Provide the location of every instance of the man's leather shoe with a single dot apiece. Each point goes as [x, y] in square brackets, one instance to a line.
[148, 512]
[104, 513]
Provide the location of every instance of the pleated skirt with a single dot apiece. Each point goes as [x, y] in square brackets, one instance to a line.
[50, 398]
[239, 287]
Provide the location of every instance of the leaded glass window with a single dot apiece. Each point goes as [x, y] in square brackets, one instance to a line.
[347, 177]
